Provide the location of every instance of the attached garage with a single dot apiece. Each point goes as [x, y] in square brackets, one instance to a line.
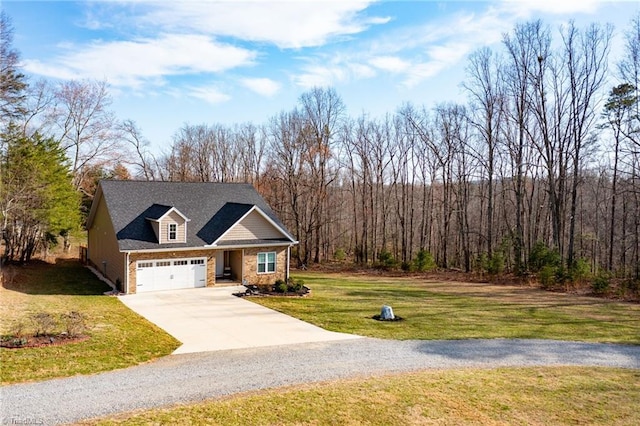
[170, 274]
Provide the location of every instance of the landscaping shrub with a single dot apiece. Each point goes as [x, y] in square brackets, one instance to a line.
[74, 323]
[295, 285]
[18, 329]
[281, 286]
[44, 323]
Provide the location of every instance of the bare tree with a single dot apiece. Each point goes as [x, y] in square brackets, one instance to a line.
[523, 55]
[143, 160]
[487, 103]
[322, 111]
[85, 126]
[586, 56]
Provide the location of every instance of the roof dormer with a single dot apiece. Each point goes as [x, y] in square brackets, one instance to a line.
[169, 224]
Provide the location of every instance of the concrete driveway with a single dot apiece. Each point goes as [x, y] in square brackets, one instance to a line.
[212, 319]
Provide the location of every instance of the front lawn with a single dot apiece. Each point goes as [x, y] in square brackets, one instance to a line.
[505, 396]
[455, 310]
[117, 337]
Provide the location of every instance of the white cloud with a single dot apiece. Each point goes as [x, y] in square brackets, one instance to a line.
[286, 24]
[133, 63]
[210, 94]
[318, 75]
[555, 7]
[392, 64]
[261, 86]
[412, 54]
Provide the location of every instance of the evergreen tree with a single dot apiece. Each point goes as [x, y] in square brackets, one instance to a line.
[37, 197]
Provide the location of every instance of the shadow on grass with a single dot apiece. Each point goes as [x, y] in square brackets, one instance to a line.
[534, 352]
[65, 277]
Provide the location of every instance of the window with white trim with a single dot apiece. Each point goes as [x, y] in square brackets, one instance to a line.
[172, 233]
[267, 262]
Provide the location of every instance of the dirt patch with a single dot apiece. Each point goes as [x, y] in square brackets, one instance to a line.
[39, 341]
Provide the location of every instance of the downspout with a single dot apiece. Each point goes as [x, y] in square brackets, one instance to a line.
[288, 261]
[126, 275]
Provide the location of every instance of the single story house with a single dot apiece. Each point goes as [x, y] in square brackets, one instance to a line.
[150, 236]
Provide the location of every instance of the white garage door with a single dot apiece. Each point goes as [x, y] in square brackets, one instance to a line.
[165, 274]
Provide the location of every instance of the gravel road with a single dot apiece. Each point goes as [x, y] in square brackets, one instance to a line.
[196, 377]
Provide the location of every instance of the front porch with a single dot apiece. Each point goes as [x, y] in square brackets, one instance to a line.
[229, 267]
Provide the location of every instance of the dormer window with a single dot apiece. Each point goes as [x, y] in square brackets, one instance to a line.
[172, 233]
[169, 225]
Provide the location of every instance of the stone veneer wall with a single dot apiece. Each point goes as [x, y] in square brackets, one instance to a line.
[250, 269]
[209, 254]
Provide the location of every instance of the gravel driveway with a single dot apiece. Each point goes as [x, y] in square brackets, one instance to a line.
[199, 376]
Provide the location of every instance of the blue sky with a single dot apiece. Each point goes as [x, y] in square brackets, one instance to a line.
[175, 62]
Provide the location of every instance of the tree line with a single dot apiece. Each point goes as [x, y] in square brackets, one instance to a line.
[538, 169]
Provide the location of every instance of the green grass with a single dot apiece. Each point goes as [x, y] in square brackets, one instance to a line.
[118, 337]
[454, 310]
[506, 396]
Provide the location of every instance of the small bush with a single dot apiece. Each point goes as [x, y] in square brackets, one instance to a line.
[601, 283]
[495, 265]
[424, 262]
[547, 276]
[74, 323]
[339, 255]
[580, 271]
[18, 329]
[281, 286]
[632, 285]
[295, 285]
[44, 323]
[542, 256]
[562, 275]
[481, 263]
[386, 260]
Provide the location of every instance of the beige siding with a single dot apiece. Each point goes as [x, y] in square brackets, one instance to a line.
[156, 228]
[103, 251]
[235, 258]
[250, 270]
[209, 254]
[172, 217]
[252, 227]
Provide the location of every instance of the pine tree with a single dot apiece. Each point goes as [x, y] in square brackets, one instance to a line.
[36, 195]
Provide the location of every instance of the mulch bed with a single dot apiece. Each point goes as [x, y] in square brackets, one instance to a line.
[39, 341]
[253, 290]
[395, 318]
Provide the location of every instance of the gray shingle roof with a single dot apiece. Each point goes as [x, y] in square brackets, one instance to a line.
[211, 208]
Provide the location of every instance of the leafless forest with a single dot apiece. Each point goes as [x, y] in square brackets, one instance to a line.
[542, 160]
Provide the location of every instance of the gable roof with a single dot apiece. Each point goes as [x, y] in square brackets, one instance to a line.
[212, 209]
[157, 212]
[240, 212]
